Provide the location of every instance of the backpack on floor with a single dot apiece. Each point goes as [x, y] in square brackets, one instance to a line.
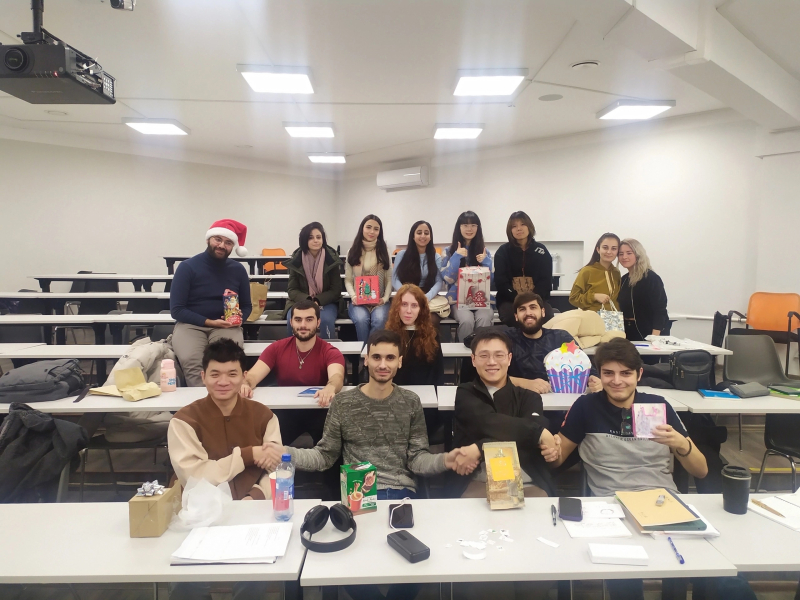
[41, 381]
[692, 370]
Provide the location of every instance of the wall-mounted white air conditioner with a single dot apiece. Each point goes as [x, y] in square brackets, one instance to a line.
[403, 178]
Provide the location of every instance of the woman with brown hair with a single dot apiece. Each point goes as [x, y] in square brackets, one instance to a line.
[409, 317]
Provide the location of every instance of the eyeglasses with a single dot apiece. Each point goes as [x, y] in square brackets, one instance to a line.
[626, 427]
[497, 356]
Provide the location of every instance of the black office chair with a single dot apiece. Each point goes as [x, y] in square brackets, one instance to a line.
[32, 306]
[18, 334]
[781, 439]
[163, 330]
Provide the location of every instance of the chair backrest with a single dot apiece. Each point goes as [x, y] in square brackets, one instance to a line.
[273, 266]
[780, 433]
[16, 334]
[754, 359]
[769, 311]
[163, 330]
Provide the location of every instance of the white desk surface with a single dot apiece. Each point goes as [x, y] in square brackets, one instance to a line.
[447, 399]
[274, 397]
[440, 522]
[764, 405]
[106, 295]
[129, 277]
[11, 348]
[647, 350]
[67, 320]
[750, 541]
[90, 543]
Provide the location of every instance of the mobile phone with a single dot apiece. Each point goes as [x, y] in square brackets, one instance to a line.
[570, 509]
[401, 516]
[408, 546]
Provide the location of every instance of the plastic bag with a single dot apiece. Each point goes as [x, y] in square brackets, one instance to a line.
[202, 504]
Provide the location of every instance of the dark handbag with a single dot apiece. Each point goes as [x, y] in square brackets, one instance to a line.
[692, 370]
[41, 381]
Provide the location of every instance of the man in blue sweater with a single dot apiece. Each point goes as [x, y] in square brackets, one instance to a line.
[196, 297]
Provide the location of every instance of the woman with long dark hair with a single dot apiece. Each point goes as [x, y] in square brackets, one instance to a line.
[597, 284]
[466, 250]
[314, 275]
[368, 256]
[411, 264]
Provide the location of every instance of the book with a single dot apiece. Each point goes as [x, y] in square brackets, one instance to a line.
[309, 392]
[716, 394]
[643, 509]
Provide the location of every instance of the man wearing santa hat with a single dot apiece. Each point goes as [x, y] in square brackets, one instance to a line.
[196, 297]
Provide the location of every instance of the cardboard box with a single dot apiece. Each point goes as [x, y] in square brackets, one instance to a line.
[359, 483]
[149, 516]
[503, 476]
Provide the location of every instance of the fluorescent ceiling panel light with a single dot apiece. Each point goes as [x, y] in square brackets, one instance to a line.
[457, 132]
[489, 82]
[277, 80]
[322, 157]
[635, 109]
[157, 126]
[309, 130]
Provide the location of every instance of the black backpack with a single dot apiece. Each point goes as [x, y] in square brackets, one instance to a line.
[41, 381]
[692, 370]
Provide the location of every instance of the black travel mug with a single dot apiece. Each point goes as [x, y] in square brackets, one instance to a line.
[735, 489]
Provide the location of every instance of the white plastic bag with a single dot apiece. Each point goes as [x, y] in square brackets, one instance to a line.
[202, 504]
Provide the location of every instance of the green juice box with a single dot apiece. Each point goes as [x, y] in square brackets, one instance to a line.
[359, 482]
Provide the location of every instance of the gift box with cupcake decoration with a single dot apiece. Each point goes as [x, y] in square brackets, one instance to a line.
[568, 369]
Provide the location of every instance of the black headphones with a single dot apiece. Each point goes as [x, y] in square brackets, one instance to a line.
[316, 519]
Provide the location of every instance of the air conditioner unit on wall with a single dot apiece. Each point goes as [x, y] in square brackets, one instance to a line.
[403, 178]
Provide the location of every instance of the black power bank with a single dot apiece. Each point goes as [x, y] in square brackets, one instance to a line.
[408, 546]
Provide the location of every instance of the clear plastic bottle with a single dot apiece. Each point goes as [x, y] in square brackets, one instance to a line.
[284, 489]
[169, 378]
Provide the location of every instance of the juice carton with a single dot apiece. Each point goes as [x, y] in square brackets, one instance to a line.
[359, 482]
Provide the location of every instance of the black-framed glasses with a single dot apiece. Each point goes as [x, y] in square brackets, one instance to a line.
[626, 427]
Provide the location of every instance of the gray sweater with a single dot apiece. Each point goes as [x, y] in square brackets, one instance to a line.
[389, 433]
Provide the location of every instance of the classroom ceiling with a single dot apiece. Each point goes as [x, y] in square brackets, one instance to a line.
[383, 73]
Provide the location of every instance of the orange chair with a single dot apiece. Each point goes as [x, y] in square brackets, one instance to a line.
[273, 267]
[775, 315]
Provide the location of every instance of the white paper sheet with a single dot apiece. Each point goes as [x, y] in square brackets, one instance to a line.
[260, 543]
[597, 528]
[790, 511]
[710, 530]
[603, 510]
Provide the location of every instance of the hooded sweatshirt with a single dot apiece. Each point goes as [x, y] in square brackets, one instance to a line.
[592, 280]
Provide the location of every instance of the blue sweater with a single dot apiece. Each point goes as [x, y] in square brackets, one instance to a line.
[199, 285]
[423, 263]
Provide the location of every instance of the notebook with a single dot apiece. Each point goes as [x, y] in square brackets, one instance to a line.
[673, 514]
[309, 392]
[716, 394]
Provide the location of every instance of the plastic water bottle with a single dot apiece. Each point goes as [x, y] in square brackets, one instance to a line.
[284, 489]
[169, 378]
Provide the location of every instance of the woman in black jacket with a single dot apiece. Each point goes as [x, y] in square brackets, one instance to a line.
[521, 265]
[642, 298]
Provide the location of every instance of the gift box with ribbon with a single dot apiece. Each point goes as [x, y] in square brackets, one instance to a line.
[152, 508]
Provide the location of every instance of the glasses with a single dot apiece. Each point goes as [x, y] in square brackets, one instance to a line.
[497, 356]
[626, 427]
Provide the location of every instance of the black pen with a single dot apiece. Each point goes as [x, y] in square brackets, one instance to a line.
[553, 513]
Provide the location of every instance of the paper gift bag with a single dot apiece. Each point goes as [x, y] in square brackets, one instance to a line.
[473, 287]
[367, 290]
[503, 476]
[149, 516]
[258, 296]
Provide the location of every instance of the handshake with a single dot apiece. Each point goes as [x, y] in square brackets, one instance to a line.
[268, 455]
[463, 460]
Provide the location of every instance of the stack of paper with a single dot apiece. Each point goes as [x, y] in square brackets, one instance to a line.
[788, 505]
[234, 544]
[650, 514]
[709, 531]
[600, 520]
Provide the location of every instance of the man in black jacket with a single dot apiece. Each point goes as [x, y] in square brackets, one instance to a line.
[492, 409]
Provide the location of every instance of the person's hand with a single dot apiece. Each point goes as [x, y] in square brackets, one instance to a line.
[541, 386]
[667, 435]
[268, 455]
[595, 385]
[247, 498]
[219, 324]
[602, 298]
[551, 453]
[547, 439]
[461, 251]
[480, 257]
[246, 391]
[325, 395]
[466, 459]
[381, 302]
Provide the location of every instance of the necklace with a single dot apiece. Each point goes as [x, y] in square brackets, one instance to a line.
[302, 359]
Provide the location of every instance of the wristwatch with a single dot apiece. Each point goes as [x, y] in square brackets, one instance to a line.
[688, 452]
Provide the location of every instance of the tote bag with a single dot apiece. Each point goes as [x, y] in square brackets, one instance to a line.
[613, 318]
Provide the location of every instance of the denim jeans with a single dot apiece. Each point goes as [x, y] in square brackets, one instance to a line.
[367, 321]
[393, 494]
[327, 318]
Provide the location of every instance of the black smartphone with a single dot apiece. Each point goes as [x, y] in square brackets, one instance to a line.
[570, 509]
[401, 516]
[408, 546]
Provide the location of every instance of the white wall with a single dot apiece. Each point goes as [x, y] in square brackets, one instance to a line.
[66, 210]
[685, 193]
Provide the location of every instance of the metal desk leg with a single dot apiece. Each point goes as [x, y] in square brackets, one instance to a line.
[564, 590]
[740, 432]
[44, 284]
[673, 589]
[100, 340]
[170, 266]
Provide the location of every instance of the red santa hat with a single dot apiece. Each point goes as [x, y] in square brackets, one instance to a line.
[232, 230]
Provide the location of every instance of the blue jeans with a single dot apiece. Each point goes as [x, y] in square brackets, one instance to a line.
[327, 321]
[392, 494]
[367, 321]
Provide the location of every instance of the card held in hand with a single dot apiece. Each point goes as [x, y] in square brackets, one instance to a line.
[646, 417]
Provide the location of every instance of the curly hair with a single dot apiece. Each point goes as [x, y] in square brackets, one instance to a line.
[424, 343]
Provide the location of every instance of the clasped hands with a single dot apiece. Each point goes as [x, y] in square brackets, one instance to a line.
[550, 445]
[268, 455]
[463, 460]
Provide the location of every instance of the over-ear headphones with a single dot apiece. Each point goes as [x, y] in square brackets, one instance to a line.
[316, 519]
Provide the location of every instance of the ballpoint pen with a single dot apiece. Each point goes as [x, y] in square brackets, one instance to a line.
[553, 513]
[677, 554]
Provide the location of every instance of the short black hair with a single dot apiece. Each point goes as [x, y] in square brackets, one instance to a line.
[305, 232]
[485, 335]
[224, 351]
[305, 305]
[618, 350]
[525, 298]
[383, 336]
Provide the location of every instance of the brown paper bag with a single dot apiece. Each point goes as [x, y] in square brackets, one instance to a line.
[503, 476]
[149, 516]
[258, 296]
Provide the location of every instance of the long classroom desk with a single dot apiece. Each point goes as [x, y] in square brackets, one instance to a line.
[90, 543]
[273, 397]
[139, 281]
[439, 524]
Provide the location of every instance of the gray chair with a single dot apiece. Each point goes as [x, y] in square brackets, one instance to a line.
[754, 359]
[781, 439]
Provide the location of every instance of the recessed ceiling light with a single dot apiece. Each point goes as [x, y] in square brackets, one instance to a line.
[157, 126]
[457, 132]
[585, 64]
[277, 80]
[550, 97]
[57, 113]
[635, 109]
[325, 157]
[309, 130]
[489, 82]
